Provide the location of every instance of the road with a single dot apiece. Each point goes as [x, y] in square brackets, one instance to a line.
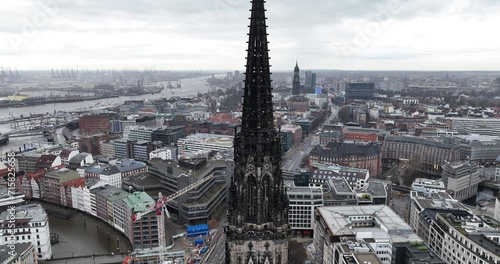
[217, 252]
[293, 158]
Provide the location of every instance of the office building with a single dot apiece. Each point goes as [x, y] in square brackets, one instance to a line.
[355, 177]
[169, 135]
[296, 131]
[421, 201]
[479, 149]
[166, 153]
[117, 126]
[461, 179]
[460, 124]
[310, 82]
[135, 149]
[303, 201]
[107, 148]
[141, 133]
[197, 206]
[461, 238]
[428, 186]
[377, 226]
[360, 91]
[202, 143]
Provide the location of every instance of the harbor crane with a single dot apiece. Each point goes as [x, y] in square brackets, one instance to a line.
[160, 207]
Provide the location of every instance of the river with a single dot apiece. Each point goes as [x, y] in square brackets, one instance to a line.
[189, 87]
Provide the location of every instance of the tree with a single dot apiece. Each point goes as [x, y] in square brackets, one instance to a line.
[345, 115]
[212, 223]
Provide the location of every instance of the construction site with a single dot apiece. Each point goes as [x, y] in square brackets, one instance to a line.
[177, 244]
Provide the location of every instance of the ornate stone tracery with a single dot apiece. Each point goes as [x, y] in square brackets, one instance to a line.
[257, 202]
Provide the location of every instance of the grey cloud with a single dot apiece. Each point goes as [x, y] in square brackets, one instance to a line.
[295, 25]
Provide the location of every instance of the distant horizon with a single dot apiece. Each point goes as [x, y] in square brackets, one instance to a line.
[242, 70]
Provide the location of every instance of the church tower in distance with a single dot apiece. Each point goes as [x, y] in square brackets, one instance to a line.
[257, 203]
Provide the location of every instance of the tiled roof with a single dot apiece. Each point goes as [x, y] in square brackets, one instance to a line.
[336, 149]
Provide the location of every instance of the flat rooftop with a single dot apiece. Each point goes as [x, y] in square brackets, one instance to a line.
[208, 139]
[386, 223]
[210, 194]
[141, 180]
[367, 258]
[376, 189]
[33, 212]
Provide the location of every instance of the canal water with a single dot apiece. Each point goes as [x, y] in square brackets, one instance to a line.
[83, 235]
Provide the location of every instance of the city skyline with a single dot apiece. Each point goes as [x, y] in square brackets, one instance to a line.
[189, 35]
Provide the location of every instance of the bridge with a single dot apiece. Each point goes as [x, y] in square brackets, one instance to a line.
[19, 134]
[494, 186]
[400, 188]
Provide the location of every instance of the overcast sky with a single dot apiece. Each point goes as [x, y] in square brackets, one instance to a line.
[211, 34]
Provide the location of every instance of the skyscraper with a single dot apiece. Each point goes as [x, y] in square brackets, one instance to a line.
[257, 203]
[296, 80]
[310, 80]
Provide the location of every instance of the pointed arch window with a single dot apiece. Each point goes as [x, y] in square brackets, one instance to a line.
[267, 187]
[251, 196]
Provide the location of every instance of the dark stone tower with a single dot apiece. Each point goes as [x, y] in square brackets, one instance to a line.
[296, 80]
[257, 203]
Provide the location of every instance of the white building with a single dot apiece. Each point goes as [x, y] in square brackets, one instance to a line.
[201, 142]
[83, 199]
[108, 148]
[31, 226]
[459, 237]
[167, 153]
[303, 201]
[377, 225]
[10, 198]
[421, 201]
[461, 179]
[140, 133]
[460, 124]
[112, 176]
[428, 186]
[67, 155]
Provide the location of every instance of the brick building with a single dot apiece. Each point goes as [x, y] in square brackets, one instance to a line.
[364, 156]
[425, 154]
[361, 137]
[224, 118]
[57, 183]
[92, 144]
[95, 124]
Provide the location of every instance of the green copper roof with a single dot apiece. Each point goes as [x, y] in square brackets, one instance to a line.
[138, 201]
